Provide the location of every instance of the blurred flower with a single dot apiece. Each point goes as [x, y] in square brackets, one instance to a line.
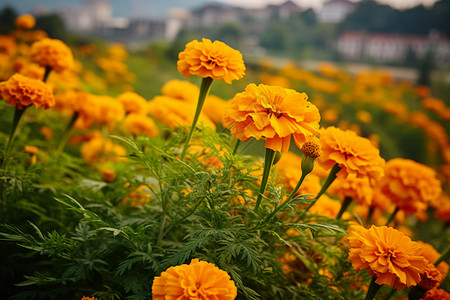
[410, 185]
[198, 280]
[436, 294]
[364, 116]
[214, 108]
[133, 103]
[46, 132]
[277, 80]
[8, 45]
[88, 298]
[274, 114]
[138, 124]
[22, 91]
[33, 71]
[354, 154]
[52, 53]
[117, 52]
[211, 59]
[327, 207]
[101, 150]
[69, 102]
[430, 277]
[181, 90]
[108, 175]
[358, 189]
[330, 115]
[432, 255]
[25, 21]
[139, 196]
[102, 110]
[387, 254]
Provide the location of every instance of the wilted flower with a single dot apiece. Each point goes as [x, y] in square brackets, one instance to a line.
[138, 124]
[274, 114]
[410, 185]
[432, 255]
[211, 59]
[25, 21]
[354, 154]
[198, 280]
[388, 255]
[52, 53]
[22, 91]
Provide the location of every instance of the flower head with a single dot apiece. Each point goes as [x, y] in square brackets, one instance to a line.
[198, 280]
[358, 189]
[138, 124]
[211, 59]
[52, 53]
[354, 154]
[410, 185]
[436, 294]
[22, 91]
[133, 103]
[181, 90]
[25, 21]
[274, 114]
[431, 255]
[387, 254]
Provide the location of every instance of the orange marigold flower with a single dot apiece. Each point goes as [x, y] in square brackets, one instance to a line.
[31, 149]
[33, 71]
[52, 53]
[70, 101]
[22, 91]
[133, 103]
[25, 21]
[198, 280]
[274, 114]
[100, 150]
[436, 294]
[354, 154]
[88, 298]
[430, 277]
[431, 255]
[359, 189]
[181, 90]
[410, 185]
[137, 197]
[214, 108]
[108, 175]
[387, 254]
[8, 45]
[138, 124]
[211, 59]
[101, 110]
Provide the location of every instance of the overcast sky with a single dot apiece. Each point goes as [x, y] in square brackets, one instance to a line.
[318, 3]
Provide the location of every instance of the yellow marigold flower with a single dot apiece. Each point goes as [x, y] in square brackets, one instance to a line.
[100, 150]
[25, 21]
[274, 114]
[117, 52]
[108, 175]
[69, 102]
[22, 91]
[174, 113]
[387, 254]
[211, 59]
[327, 207]
[214, 108]
[359, 189]
[133, 103]
[354, 154]
[410, 185]
[138, 124]
[181, 90]
[103, 110]
[52, 53]
[8, 45]
[33, 71]
[431, 255]
[198, 280]
[364, 116]
[436, 294]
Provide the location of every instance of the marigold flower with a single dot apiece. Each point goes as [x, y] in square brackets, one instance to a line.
[52, 53]
[181, 90]
[25, 21]
[430, 277]
[88, 298]
[410, 185]
[358, 189]
[138, 124]
[103, 110]
[137, 197]
[198, 280]
[211, 59]
[436, 294]
[272, 113]
[8, 45]
[22, 91]
[214, 108]
[100, 150]
[108, 175]
[70, 101]
[387, 254]
[133, 103]
[431, 255]
[31, 149]
[354, 154]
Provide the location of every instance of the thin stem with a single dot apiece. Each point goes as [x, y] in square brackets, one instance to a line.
[392, 216]
[204, 91]
[47, 72]
[345, 204]
[18, 113]
[370, 214]
[65, 137]
[331, 177]
[268, 162]
[236, 146]
[373, 289]
[444, 256]
[289, 198]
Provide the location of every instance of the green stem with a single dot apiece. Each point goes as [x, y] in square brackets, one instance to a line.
[373, 289]
[345, 204]
[289, 198]
[66, 135]
[444, 256]
[204, 91]
[236, 146]
[392, 216]
[268, 162]
[370, 214]
[331, 177]
[47, 72]
[18, 113]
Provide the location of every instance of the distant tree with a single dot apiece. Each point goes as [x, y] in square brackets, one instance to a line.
[52, 24]
[7, 17]
[231, 34]
[309, 18]
[275, 37]
[440, 16]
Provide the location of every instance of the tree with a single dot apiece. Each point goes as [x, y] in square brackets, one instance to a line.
[7, 18]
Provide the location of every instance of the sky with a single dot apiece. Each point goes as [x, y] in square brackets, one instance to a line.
[159, 8]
